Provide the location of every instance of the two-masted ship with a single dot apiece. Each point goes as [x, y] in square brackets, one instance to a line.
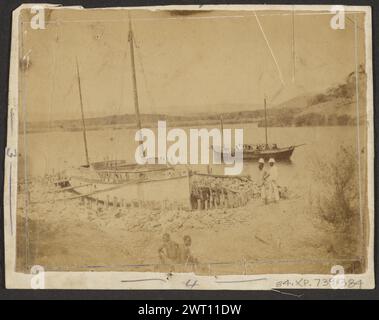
[118, 183]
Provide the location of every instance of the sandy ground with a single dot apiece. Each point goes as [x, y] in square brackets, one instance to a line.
[278, 237]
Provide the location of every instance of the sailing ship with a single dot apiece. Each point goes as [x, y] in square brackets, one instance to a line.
[118, 183]
[264, 151]
[267, 151]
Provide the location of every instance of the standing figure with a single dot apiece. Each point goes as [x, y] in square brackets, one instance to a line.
[168, 251]
[186, 256]
[263, 183]
[273, 180]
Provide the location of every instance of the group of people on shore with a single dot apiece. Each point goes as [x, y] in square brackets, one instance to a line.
[171, 253]
[268, 181]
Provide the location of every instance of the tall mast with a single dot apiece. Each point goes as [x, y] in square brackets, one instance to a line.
[81, 108]
[222, 136]
[134, 78]
[293, 46]
[265, 121]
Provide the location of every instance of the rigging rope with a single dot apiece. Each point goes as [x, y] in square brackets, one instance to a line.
[149, 95]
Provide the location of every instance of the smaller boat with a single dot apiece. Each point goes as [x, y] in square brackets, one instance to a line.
[256, 152]
[263, 150]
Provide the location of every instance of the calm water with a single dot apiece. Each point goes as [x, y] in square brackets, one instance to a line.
[52, 152]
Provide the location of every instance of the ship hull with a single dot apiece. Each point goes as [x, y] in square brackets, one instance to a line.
[282, 154]
[153, 190]
[159, 189]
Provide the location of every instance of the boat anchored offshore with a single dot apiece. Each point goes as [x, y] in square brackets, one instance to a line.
[263, 150]
[256, 152]
[267, 151]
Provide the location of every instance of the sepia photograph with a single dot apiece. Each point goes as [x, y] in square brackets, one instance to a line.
[180, 147]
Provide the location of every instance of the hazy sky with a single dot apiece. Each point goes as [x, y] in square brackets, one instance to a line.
[185, 63]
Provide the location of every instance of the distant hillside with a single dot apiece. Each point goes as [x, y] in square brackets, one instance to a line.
[336, 106]
[147, 120]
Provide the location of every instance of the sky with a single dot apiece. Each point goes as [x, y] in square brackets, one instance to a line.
[204, 62]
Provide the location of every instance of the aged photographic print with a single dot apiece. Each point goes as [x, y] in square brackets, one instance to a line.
[187, 147]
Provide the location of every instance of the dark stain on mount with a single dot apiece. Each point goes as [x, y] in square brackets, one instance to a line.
[185, 13]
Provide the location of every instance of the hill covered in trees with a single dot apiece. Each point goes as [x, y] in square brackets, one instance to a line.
[336, 106]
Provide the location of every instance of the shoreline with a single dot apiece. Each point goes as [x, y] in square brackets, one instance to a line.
[72, 236]
[172, 125]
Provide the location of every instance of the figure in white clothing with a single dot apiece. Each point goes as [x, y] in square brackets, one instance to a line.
[264, 184]
[273, 180]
